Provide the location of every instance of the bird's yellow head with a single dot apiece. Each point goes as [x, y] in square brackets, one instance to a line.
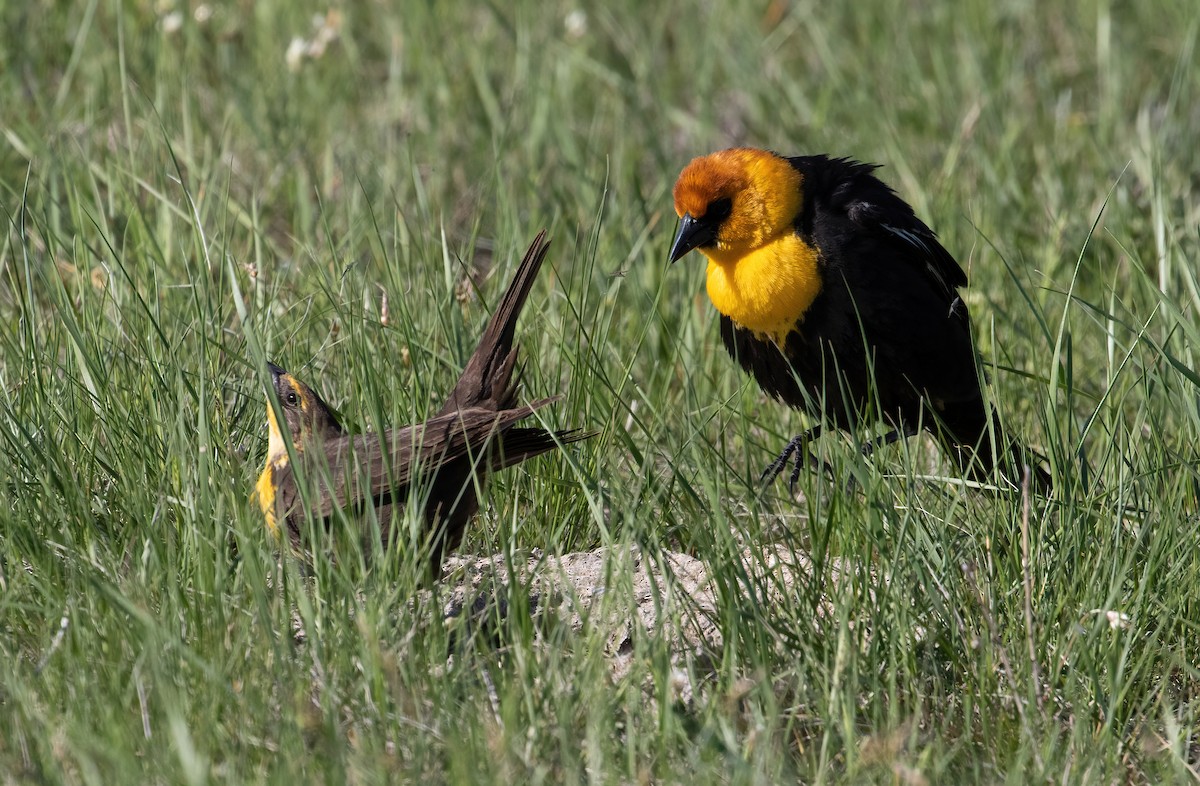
[734, 202]
[739, 208]
[307, 416]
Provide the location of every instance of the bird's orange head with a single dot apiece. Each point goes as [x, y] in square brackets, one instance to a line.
[734, 202]
[308, 417]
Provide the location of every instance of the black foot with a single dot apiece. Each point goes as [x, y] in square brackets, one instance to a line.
[797, 451]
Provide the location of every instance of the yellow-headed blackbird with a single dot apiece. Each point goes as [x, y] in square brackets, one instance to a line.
[472, 434]
[839, 300]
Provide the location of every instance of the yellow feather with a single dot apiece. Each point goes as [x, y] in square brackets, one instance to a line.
[760, 273]
[264, 491]
[766, 290]
[277, 458]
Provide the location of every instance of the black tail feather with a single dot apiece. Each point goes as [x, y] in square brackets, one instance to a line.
[967, 431]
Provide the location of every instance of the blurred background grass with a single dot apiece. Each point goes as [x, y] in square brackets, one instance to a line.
[189, 189]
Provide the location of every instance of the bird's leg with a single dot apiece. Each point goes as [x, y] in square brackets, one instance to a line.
[895, 435]
[796, 447]
[816, 462]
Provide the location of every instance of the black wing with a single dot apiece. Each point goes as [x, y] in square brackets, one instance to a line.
[849, 188]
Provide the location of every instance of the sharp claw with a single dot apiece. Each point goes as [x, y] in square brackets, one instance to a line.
[797, 449]
[795, 476]
[775, 467]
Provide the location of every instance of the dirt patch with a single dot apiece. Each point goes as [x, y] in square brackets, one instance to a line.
[622, 593]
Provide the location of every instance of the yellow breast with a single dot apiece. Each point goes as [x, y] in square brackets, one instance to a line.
[767, 290]
[264, 491]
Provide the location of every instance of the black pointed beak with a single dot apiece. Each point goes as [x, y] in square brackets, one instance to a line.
[276, 371]
[692, 234]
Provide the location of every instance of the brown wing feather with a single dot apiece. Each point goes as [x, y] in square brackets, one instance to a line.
[367, 467]
[471, 435]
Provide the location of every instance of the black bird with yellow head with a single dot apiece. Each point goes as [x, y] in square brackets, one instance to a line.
[840, 302]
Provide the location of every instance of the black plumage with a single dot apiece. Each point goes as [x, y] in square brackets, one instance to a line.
[887, 334]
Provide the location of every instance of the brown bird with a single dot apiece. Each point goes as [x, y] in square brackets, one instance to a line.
[451, 453]
[840, 302]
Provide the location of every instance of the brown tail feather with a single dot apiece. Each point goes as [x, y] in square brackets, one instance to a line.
[487, 381]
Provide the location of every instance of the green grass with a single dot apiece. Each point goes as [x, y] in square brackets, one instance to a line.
[180, 206]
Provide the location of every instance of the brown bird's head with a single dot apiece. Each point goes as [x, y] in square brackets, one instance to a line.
[732, 202]
[308, 417]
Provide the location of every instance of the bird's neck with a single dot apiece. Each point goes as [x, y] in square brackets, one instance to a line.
[766, 290]
[276, 448]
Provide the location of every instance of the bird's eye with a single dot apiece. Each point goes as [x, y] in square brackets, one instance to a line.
[718, 210]
[292, 399]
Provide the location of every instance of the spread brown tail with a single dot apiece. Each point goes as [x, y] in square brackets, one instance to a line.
[967, 437]
[487, 381]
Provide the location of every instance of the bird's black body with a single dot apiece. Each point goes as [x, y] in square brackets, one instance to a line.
[887, 334]
[879, 291]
